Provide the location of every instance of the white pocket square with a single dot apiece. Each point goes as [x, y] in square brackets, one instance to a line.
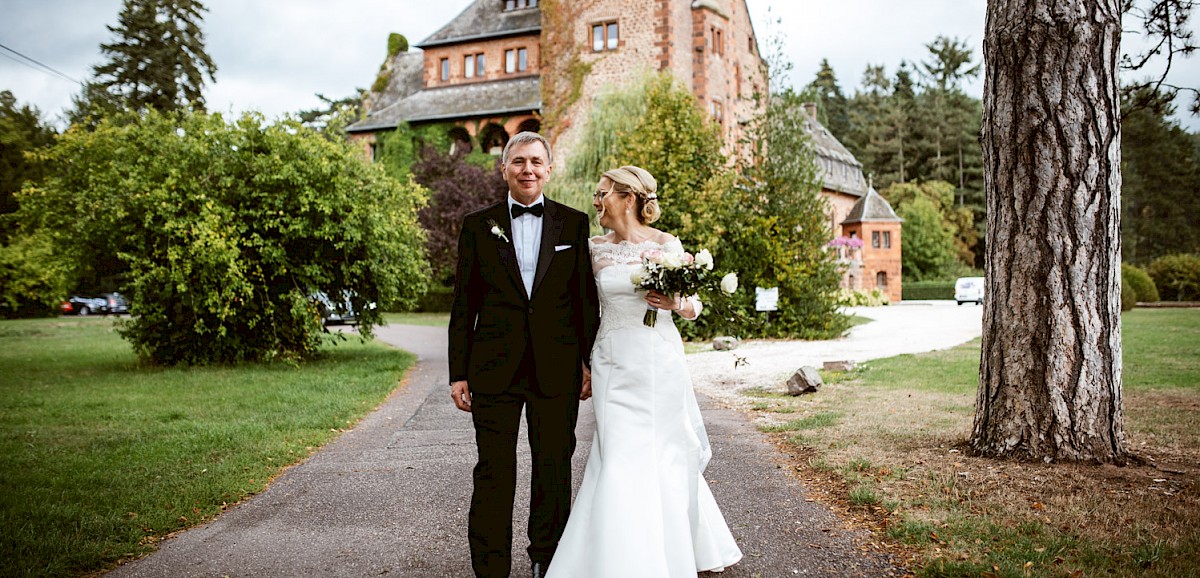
[558, 248]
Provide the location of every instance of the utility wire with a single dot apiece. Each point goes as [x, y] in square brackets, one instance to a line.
[43, 66]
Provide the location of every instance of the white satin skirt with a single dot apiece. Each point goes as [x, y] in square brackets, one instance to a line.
[643, 509]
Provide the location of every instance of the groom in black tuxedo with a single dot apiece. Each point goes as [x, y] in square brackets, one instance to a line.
[521, 332]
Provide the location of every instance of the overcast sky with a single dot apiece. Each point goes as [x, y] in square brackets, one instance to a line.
[275, 55]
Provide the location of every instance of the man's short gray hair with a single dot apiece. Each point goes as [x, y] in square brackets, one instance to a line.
[526, 138]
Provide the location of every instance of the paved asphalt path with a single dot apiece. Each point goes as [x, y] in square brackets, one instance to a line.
[390, 498]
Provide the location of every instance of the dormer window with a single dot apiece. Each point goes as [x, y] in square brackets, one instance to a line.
[510, 5]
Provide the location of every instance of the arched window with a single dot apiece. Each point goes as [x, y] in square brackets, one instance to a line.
[493, 138]
[460, 141]
[881, 280]
[530, 125]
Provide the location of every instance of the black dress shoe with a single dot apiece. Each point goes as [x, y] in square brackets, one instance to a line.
[539, 569]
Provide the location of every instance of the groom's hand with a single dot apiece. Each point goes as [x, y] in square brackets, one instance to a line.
[461, 394]
[586, 392]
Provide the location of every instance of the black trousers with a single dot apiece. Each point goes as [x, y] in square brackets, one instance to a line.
[551, 429]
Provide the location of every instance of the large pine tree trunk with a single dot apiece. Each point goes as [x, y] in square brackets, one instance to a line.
[1050, 378]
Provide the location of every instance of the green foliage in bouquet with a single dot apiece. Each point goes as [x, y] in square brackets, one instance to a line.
[227, 230]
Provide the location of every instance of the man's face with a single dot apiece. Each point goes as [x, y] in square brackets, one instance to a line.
[527, 171]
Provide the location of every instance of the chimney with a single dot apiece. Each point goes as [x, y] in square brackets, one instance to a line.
[811, 109]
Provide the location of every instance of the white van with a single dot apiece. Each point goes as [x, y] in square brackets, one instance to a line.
[969, 290]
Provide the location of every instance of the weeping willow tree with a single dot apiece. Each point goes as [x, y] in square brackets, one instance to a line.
[763, 220]
[653, 123]
[613, 118]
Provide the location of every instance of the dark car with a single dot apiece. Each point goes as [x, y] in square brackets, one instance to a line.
[77, 305]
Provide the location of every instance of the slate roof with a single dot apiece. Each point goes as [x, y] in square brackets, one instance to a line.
[871, 207]
[486, 19]
[476, 99]
[840, 171]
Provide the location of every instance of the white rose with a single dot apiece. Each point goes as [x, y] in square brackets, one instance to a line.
[704, 259]
[729, 283]
[672, 260]
[637, 278]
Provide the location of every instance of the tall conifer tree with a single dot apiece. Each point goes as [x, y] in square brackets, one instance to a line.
[157, 60]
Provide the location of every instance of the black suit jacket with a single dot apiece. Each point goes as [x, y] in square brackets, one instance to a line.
[493, 321]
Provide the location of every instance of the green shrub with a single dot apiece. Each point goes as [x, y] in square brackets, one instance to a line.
[1128, 295]
[32, 280]
[920, 290]
[862, 298]
[381, 81]
[1177, 277]
[397, 43]
[1140, 281]
[436, 300]
[227, 230]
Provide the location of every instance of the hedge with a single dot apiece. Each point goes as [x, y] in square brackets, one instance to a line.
[914, 290]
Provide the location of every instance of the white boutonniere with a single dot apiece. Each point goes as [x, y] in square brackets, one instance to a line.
[497, 231]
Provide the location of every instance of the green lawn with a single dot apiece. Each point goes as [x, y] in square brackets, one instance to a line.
[100, 456]
[892, 433]
[430, 319]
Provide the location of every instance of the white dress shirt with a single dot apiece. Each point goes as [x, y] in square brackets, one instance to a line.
[527, 241]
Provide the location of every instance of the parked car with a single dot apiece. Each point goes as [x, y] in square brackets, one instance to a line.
[77, 305]
[341, 313]
[969, 290]
[116, 304]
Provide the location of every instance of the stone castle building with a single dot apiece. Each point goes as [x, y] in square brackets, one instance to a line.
[482, 71]
[481, 76]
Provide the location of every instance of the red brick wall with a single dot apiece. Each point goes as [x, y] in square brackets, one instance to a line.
[885, 260]
[493, 51]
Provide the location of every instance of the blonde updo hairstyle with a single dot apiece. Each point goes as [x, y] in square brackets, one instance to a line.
[640, 183]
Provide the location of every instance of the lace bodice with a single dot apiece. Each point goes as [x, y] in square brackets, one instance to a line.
[621, 306]
[605, 254]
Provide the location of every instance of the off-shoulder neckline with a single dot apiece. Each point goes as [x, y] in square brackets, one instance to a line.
[602, 241]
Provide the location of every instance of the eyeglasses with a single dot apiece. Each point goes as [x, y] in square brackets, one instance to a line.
[599, 195]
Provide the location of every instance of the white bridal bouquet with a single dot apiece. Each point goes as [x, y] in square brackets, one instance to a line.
[678, 273]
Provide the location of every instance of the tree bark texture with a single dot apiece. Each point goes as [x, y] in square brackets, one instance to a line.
[1050, 374]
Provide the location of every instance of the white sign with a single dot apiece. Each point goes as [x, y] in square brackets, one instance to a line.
[766, 299]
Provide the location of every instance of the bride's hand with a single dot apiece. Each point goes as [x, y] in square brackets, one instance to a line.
[661, 301]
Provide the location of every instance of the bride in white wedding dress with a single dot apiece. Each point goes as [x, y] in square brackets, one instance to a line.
[643, 509]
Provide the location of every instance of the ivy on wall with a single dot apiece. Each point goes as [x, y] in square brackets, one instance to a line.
[563, 67]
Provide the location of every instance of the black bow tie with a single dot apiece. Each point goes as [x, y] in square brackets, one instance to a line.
[536, 210]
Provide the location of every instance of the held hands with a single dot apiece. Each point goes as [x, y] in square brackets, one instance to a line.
[586, 392]
[461, 394]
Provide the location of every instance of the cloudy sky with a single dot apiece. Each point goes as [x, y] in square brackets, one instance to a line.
[276, 55]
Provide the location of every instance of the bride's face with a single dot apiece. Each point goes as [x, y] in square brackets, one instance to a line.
[608, 203]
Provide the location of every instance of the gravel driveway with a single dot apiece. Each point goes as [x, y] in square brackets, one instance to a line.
[908, 327]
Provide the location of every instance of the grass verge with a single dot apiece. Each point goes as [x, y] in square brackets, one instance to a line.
[101, 457]
[886, 445]
[428, 319]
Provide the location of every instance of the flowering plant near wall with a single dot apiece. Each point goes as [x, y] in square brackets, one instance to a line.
[848, 242]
